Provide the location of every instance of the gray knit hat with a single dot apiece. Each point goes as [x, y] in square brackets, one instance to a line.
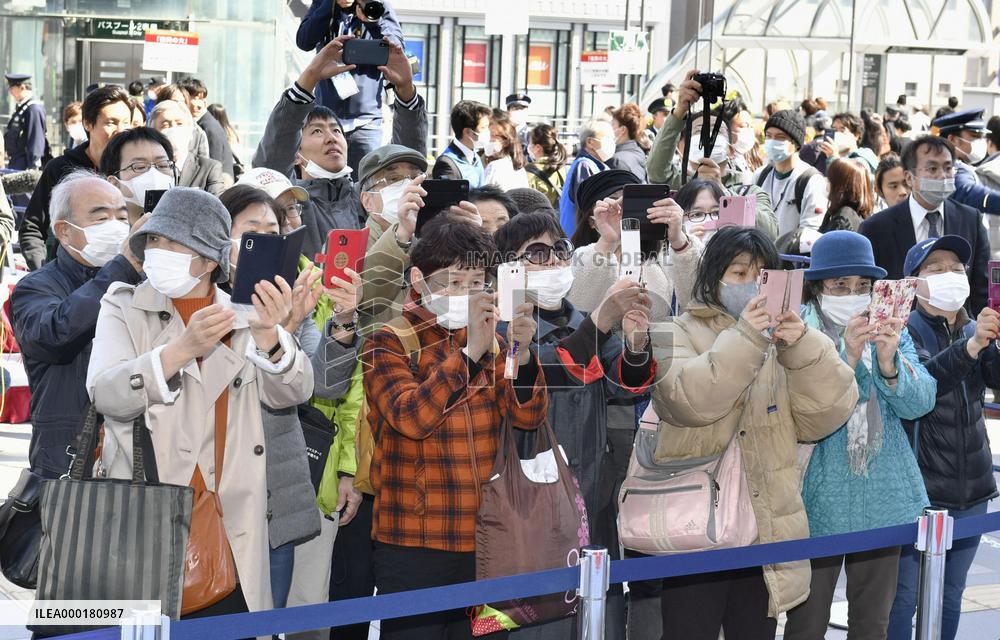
[791, 122]
[193, 218]
[528, 200]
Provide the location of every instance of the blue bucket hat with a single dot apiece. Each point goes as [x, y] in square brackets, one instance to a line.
[919, 252]
[843, 253]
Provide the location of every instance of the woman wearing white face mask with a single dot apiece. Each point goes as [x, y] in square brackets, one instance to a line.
[586, 362]
[627, 122]
[864, 475]
[175, 350]
[504, 156]
[547, 167]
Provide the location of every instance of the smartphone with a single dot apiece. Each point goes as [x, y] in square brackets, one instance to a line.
[994, 284]
[152, 199]
[630, 265]
[263, 257]
[637, 199]
[892, 299]
[362, 51]
[345, 249]
[441, 194]
[737, 210]
[783, 290]
[510, 288]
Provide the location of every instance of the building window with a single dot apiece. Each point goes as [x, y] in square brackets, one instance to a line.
[596, 98]
[478, 56]
[422, 44]
[944, 89]
[542, 71]
[910, 89]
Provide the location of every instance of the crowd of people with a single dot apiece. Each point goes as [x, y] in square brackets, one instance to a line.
[842, 423]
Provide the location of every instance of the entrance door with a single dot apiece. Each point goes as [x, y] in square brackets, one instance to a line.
[111, 62]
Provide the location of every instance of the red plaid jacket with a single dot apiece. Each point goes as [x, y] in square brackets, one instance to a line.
[431, 457]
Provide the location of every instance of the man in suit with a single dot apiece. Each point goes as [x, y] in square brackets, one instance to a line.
[196, 95]
[929, 166]
[173, 120]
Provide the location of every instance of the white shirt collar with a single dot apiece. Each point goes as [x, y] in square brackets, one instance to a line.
[469, 154]
[921, 229]
[25, 100]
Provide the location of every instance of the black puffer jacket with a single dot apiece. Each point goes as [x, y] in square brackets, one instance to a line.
[952, 447]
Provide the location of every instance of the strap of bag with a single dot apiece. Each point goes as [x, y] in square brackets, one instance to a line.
[85, 442]
[801, 183]
[762, 178]
[542, 175]
[408, 337]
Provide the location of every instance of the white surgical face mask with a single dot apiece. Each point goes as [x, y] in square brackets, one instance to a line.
[169, 272]
[844, 140]
[935, 191]
[491, 149]
[152, 180]
[776, 150]
[104, 241]
[548, 287]
[607, 149]
[840, 309]
[483, 138]
[390, 200]
[518, 116]
[718, 154]
[317, 171]
[180, 139]
[745, 140]
[452, 311]
[947, 291]
[978, 151]
[77, 132]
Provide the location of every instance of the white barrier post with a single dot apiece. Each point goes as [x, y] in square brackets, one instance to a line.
[933, 541]
[595, 574]
[143, 626]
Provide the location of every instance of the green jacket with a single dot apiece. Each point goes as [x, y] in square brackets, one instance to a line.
[660, 170]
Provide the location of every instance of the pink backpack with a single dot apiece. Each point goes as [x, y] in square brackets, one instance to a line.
[693, 504]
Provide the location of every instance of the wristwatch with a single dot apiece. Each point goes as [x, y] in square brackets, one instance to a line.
[267, 355]
[335, 326]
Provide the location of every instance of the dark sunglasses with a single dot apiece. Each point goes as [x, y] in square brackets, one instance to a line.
[541, 253]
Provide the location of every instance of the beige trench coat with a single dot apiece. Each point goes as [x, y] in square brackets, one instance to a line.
[122, 385]
[712, 365]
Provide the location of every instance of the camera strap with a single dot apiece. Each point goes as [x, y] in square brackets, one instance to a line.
[708, 133]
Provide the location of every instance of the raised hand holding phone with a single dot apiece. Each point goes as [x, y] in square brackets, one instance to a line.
[511, 282]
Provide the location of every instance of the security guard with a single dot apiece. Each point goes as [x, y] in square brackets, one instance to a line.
[517, 108]
[25, 135]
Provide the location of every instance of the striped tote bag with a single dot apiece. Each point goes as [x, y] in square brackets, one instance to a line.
[113, 539]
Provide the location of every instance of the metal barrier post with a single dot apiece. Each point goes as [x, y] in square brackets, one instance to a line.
[142, 626]
[595, 574]
[933, 541]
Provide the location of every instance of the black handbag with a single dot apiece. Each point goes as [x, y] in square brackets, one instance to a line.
[21, 531]
[113, 539]
[319, 433]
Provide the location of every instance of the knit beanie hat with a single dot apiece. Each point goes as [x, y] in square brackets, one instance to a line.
[791, 122]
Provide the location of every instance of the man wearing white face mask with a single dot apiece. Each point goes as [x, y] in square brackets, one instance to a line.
[950, 443]
[139, 161]
[54, 310]
[597, 145]
[174, 121]
[966, 130]
[470, 124]
[929, 212]
[300, 131]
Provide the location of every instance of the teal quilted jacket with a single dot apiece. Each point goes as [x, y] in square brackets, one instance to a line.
[892, 491]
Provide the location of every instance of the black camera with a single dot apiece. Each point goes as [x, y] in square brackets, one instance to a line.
[713, 86]
[373, 9]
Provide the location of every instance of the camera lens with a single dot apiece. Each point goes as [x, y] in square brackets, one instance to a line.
[374, 9]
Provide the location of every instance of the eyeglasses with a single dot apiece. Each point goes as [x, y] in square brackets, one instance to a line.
[166, 167]
[392, 179]
[541, 253]
[444, 284]
[934, 269]
[701, 216]
[293, 210]
[841, 288]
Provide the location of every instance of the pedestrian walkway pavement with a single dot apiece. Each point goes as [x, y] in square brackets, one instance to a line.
[980, 606]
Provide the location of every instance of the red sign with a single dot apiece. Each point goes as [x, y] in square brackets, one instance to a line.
[474, 63]
[172, 37]
[540, 66]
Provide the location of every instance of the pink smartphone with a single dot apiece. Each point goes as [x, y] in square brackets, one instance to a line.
[738, 210]
[783, 290]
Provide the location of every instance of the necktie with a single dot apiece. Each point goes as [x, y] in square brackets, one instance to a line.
[934, 224]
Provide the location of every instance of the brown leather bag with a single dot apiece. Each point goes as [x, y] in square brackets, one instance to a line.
[530, 524]
[209, 566]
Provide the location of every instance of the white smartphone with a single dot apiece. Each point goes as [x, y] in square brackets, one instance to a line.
[630, 267]
[510, 288]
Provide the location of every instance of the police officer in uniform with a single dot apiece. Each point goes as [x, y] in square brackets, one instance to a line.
[24, 137]
[966, 130]
[517, 109]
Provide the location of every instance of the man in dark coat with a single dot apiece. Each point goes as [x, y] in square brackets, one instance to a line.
[929, 212]
[54, 310]
[196, 94]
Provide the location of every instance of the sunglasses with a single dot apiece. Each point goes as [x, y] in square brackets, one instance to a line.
[541, 253]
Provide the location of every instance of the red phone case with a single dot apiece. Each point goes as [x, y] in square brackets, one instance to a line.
[345, 249]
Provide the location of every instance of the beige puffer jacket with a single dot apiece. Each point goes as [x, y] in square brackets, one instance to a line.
[809, 389]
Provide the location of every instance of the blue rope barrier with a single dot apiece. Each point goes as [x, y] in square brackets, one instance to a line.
[457, 596]
[789, 257]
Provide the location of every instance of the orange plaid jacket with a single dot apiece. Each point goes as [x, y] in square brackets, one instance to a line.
[431, 456]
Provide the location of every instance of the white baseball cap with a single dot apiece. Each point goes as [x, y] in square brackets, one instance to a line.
[272, 183]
